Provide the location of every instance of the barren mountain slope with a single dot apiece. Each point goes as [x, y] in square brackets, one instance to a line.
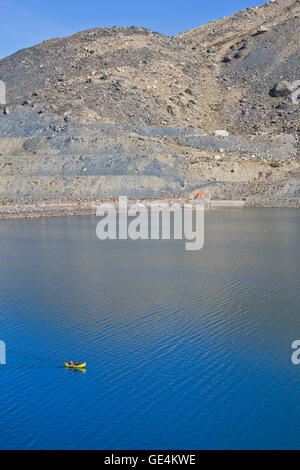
[254, 50]
[128, 110]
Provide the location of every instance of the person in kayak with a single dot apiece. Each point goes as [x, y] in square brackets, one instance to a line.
[71, 363]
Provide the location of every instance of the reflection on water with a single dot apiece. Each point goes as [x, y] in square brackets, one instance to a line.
[183, 349]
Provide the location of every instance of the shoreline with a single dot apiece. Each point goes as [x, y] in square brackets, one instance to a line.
[76, 208]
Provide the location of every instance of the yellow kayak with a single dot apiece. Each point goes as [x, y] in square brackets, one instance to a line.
[79, 366]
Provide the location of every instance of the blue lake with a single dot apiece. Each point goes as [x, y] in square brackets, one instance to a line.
[184, 350]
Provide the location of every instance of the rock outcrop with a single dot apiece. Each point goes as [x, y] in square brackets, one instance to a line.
[282, 89]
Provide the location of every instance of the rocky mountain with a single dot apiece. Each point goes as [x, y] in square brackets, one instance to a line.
[130, 111]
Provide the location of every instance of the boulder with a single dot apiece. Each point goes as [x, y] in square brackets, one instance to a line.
[260, 30]
[221, 133]
[283, 88]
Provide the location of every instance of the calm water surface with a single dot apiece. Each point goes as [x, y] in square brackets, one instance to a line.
[184, 349]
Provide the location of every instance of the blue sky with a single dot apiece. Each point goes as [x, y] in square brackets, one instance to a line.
[28, 22]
